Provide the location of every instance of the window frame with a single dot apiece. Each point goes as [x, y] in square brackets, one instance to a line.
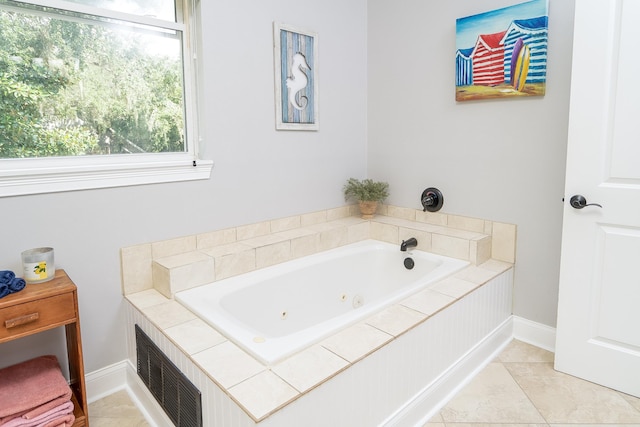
[23, 176]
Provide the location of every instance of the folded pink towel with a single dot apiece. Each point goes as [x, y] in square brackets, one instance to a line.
[43, 408]
[66, 421]
[54, 417]
[27, 386]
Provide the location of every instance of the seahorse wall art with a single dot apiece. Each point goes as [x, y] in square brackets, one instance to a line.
[296, 78]
[298, 82]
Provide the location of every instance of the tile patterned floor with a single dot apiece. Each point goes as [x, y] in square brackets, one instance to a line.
[518, 389]
[115, 410]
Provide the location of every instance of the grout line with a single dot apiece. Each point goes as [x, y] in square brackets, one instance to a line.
[523, 390]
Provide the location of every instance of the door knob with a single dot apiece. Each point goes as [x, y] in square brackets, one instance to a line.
[578, 202]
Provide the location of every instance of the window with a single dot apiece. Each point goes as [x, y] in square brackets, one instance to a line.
[97, 93]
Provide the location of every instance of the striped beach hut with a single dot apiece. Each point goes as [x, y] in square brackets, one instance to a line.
[488, 60]
[464, 67]
[533, 32]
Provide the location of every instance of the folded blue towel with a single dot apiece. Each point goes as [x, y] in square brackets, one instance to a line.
[17, 284]
[4, 290]
[6, 276]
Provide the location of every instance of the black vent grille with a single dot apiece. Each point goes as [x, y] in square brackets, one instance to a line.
[179, 398]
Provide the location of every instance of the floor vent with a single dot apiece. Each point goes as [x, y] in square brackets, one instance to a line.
[179, 398]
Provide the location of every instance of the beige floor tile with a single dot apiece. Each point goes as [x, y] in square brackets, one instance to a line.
[634, 401]
[436, 419]
[518, 351]
[593, 425]
[495, 425]
[119, 422]
[116, 409]
[561, 398]
[492, 396]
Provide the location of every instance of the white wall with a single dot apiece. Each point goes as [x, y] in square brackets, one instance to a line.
[498, 159]
[259, 173]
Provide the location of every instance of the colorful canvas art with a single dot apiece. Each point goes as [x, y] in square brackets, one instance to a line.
[503, 53]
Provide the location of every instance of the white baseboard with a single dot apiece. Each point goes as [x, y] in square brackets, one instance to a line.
[106, 381]
[119, 376]
[122, 375]
[426, 404]
[433, 397]
[534, 333]
[144, 400]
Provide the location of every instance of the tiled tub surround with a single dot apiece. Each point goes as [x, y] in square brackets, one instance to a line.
[384, 362]
[174, 265]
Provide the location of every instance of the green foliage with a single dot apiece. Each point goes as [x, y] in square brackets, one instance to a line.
[366, 190]
[70, 88]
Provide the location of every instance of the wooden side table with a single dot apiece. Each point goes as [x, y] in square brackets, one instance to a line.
[44, 306]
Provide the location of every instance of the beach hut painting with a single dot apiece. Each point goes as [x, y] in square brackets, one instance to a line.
[503, 53]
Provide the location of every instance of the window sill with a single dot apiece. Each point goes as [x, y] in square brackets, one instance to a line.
[36, 176]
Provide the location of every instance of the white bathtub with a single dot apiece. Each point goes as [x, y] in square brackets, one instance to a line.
[279, 310]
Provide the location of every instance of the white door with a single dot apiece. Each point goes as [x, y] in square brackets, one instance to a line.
[598, 332]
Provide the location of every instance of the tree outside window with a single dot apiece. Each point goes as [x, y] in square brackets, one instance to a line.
[85, 81]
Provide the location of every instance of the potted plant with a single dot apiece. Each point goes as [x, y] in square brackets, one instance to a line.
[368, 193]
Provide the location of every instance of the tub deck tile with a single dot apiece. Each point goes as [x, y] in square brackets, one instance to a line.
[305, 245]
[235, 264]
[496, 266]
[145, 299]
[358, 232]
[450, 246]
[263, 394]
[227, 364]
[266, 240]
[168, 314]
[194, 336]
[475, 274]
[428, 301]
[454, 287]
[385, 232]
[227, 249]
[396, 319]
[356, 341]
[283, 224]
[275, 253]
[399, 222]
[310, 367]
[215, 238]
